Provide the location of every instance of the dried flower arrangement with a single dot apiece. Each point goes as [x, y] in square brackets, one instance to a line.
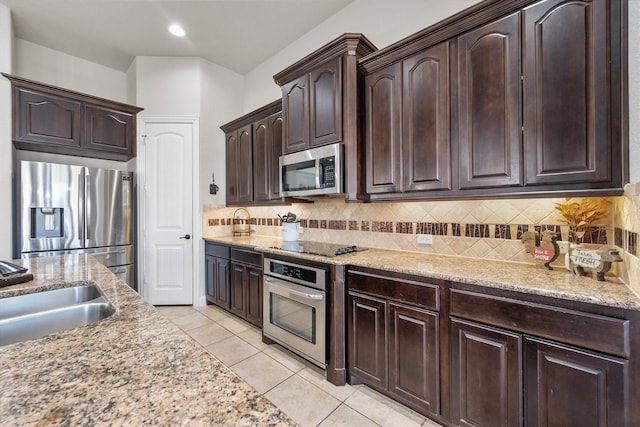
[580, 214]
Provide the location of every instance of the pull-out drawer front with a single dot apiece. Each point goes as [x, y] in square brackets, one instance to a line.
[247, 257]
[216, 250]
[600, 333]
[407, 291]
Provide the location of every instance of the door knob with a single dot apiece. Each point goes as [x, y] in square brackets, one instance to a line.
[186, 236]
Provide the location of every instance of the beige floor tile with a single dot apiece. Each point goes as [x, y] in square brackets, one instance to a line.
[287, 358]
[213, 312]
[302, 401]
[174, 311]
[345, 416]
[233, 324]
[191, 321]
[254, 337]
[429, 423]
[232, 350]
[383, 410]
[262, 372]
[209, 333]
[317, 377]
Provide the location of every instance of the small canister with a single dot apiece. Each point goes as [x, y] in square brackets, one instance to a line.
[290, 231]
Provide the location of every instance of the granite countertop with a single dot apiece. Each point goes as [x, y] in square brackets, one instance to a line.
[519, 277]
[133, 368]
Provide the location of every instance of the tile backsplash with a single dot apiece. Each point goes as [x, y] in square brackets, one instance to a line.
[488, 229]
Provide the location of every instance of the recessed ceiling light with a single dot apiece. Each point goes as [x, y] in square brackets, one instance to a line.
[176, 30]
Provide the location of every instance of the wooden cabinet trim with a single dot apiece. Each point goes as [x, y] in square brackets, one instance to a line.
[601, 333]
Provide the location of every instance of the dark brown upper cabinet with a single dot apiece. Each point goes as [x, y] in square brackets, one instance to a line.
[536, 104]
[571, 66]
[321, 103]
[253, 149]
[489, 120]
[55, 120]
[407, 132]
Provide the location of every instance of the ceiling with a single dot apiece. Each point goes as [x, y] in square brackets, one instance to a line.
[236, 34]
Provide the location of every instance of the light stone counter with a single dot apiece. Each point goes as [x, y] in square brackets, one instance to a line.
[520, 277]
[132, 368]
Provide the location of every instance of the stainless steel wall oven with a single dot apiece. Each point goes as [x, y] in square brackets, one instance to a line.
[295, 308]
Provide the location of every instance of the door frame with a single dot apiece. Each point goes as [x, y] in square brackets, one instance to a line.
[198, 296]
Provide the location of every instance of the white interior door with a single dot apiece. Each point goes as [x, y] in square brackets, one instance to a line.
[167, 241]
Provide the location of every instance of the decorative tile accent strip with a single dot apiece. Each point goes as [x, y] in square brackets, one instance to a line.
[365, 226]
[382, 226]
[455, 229]
[213, 221]
[632, 240]
[619, 242]
[503, 231]
[435, 228]
[404, 227]
[303, 223]
[337, 224]
[521, 229]
[353, 225]
[313, 223]
[476, 230]
[323, 224]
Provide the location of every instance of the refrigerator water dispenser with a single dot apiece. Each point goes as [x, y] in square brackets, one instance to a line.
[47, 222]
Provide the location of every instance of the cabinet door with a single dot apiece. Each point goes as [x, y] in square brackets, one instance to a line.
[245, 164]
[383, 104]
[325, 103]
[489, 105]
[109, 130]
[262, 161]
[414, 371]
[486, 376]
[231, 145]
[47, 119]
[210, 277]
[237, 287]
[425, 116]
[254, 295]
[568, 386]
[267, 149]
[221, 284]
[295, 111]
[367, 340]
[567, 92]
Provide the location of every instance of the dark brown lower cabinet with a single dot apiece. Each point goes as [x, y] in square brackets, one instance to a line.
[393, 346]
[367, 325]
[486, 375]
[572, 387]
[233, 281]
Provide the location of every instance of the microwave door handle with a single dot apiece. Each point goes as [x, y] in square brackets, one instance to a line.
[319, 178]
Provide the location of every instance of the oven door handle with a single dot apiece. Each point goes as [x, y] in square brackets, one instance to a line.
[287, 291]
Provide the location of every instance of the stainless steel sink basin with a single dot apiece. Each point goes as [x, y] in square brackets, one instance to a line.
[47, 300]
[31, 316]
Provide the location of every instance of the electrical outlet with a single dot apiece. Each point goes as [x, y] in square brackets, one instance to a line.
[252, 227]
[425, 239]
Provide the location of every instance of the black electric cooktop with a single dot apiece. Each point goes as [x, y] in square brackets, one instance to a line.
[318, 248]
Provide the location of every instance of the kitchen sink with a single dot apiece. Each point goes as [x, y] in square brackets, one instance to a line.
[47, 300]
[31, 316]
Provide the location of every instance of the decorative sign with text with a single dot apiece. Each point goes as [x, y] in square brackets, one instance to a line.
[597, 261]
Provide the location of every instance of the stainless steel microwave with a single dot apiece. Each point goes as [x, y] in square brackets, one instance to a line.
[313, 172]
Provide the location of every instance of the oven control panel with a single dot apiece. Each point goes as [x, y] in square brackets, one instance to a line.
[302, 274]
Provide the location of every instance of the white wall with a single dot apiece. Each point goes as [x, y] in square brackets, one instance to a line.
[220, 103]
[382, 21]
[53, 67]
[6, 59]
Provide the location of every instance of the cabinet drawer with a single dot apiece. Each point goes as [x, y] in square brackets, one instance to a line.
[408, 291]
[248, 257]
[601, 333]
[216, 250]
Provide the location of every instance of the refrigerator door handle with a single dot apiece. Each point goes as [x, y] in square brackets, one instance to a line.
[87, 183]
[81, 211]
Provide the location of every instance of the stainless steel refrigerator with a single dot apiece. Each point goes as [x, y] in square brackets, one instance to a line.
[76, 209]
